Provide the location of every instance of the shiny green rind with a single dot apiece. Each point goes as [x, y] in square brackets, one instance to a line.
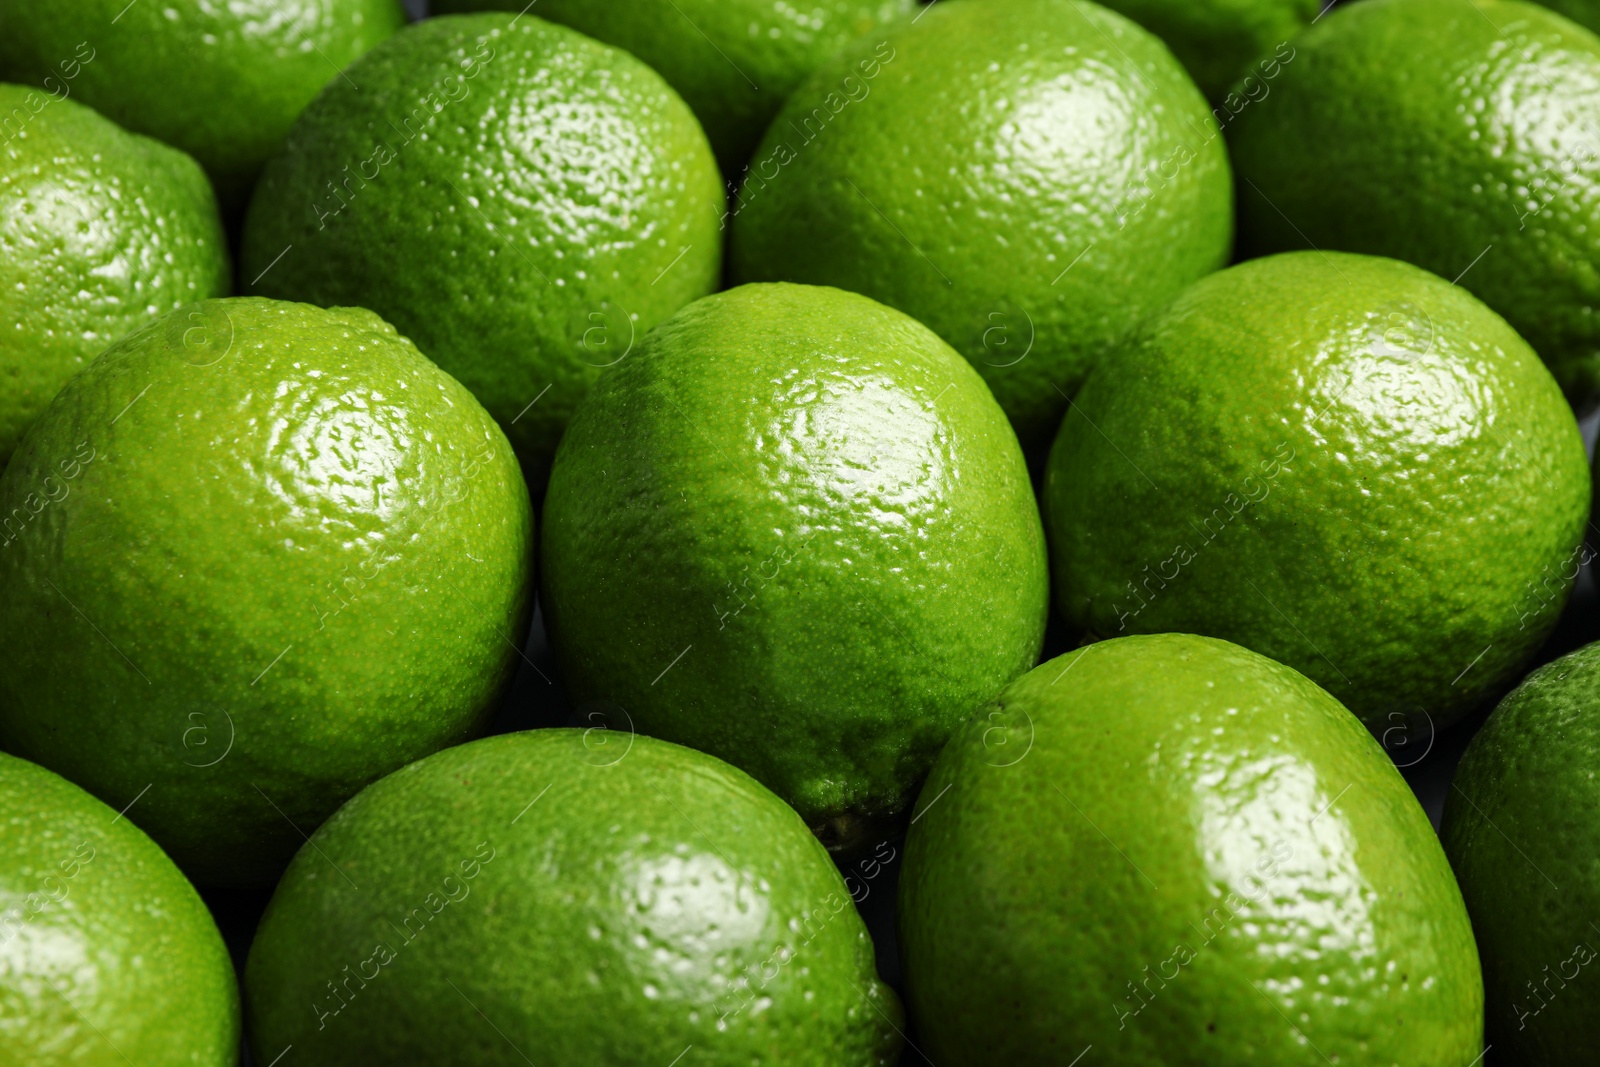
[1520, 831]
[1027, 178]
[520, 200]
[567, 897]
[107, 955]
[101, 231]
[1455, 135]
[733, 61]
[1182, 854]
[794, 530]
[1341, 462]
[256, 556]
[221, 80]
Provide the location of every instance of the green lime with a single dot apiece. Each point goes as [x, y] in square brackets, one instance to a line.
[101, 231]
[733, 61]
[1456, 136]
[1520, 832]
[523, 202]
[590, 898]
[1341, 462]
[1176, 851]
[794, 531]
[1026, 177]
[222, 81]
[255, 556]
[1222, 41]
[107, 954]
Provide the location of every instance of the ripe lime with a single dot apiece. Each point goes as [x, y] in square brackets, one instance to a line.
[1342, 462]
[1456, 136]
[794, 531]
[1025, 177]
[222, 81]
[733, 61]
[521, 201]
[1520, 831]
[255, 556]
[100, 231]
[561, 897]
[1179, 852]
[107, 954]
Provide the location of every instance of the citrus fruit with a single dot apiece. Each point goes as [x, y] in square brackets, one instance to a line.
[1456, 136]
[1177, 851]
[521, 201]
[1220, 41]
[794, 531]
[588, 899]
[1339, 461]
[222, 81]
[733, 61]
[1025, 177]
[101, 231]
[1518, 829]
[255, 556]
[107, 954]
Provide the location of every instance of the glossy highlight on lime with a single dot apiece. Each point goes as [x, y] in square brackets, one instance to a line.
[1177, 851]
[795, 531]
[101, 231]
[1339, 461]
[107, 955]
[593, 897]
[256, 555]
[520, 200]
[1027, 178]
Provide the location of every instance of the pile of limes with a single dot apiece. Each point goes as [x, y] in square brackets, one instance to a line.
[1049, 457]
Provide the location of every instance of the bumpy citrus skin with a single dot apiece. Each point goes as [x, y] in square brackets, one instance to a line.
[734, 61]
[1218, 40]
[587, 897]
[256, 556]
[1342, 462]
[221, 80]
[1181, 853]
[1455, 130]
[100, 231]
[1027, 178]
[107, 954]
[520, 200]
[794, 531]
[1519, 830]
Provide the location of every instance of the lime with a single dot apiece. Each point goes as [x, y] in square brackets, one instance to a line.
[1519, 829]
[521, 201]
[222, 81]
[255, 556]
[1339, 461]
[1025, 177]
[1176, 851]
[100, 231]
[1456, 136]
[107, 954]
[733, 61]
[794, 531]
[591, 898]
[1222, 41]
